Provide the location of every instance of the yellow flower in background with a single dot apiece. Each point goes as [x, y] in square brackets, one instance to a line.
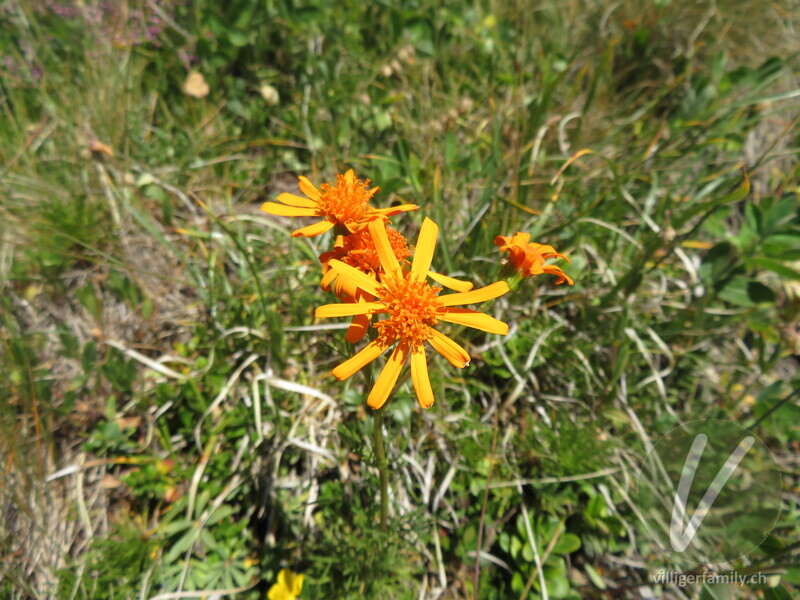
[344, 204]
[529, 257]
[288, 587]
[412, 308]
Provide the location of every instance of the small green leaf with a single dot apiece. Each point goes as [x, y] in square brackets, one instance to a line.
[738, 194]
[792, 575]
[237, 37]
[567, 543]
[597, 580]
[775, 266]
[176, 526]
[86, 296]
[743, 291]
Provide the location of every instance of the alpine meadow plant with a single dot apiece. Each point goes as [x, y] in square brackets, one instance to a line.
[390, 300]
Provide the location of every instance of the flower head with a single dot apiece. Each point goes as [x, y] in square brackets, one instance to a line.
[358, 250]
[529, 258]
[288, 587]
[411, 308]
[344, 204]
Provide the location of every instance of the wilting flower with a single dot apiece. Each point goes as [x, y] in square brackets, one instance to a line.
[344, 204]
[288, 587]
[529, 258]
[195, 85]
[270, 95]
[412, 308]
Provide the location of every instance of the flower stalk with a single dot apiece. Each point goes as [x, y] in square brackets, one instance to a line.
[383, 465]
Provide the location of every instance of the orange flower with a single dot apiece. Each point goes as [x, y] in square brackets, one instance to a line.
[345, 203]
[358, 250]
[412, 308]
[529, 258]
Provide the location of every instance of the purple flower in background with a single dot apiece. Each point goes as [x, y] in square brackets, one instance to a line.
[112, 21]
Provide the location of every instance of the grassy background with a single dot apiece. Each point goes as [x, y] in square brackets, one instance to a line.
[167, 422]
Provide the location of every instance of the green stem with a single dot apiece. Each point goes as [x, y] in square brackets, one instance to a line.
[380, 455]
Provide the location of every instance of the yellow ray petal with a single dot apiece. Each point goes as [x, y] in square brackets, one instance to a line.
[474, 319]
[394, 210]
[544, 249]
[448, 348]
[327, 279]
[562, 277]
[349, 309]
[355, 363]
[480, 295]
[419, 377]
[451, 283]
[521, 239]
[345, 288]
[316, 229]
[377, 230]
[358, 278]
[308, 188]
[388, 377]
[297, 584]
[293, 200]
[358, 329]
[426, 244]
[281, 210]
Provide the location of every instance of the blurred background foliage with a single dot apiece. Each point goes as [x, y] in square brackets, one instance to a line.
[167, 423]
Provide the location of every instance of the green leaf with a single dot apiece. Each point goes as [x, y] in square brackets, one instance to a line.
[596, 507]
[775, 266]
[751, 229]
[717, 262]
[86, 296]
[792, 575]
[777, 593]
[208, 540]
[738, 194]
[567, 543]
[596, 578]
[179, 547]
[88, 357]
[215, 24]
[779, 214]
[527, 553]
[220, 514]
[715, 592]
[744, 291]
[176, 526]
[237, 37]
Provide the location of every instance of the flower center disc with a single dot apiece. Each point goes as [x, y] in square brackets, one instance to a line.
[412, 308]
[346, 201]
